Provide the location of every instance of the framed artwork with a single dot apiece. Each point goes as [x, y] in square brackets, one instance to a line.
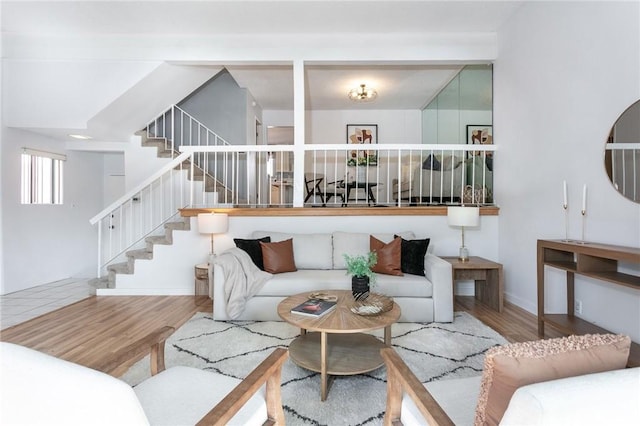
[478, 134]
[362, 134]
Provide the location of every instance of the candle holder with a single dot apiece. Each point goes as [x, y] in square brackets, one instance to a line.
[565, 207]
[584, 214]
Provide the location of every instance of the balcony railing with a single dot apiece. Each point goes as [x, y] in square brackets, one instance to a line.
[267, 176]
[341, 175]
[624, 168]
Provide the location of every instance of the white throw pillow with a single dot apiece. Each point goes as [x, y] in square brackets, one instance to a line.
[310, 251]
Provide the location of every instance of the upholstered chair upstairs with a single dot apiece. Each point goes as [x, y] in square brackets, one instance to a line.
[39, 389]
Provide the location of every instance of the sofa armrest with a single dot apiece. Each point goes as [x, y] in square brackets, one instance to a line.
[401, 380]
[578, 400]
[217, 278]
[267, 372]
[439, 272]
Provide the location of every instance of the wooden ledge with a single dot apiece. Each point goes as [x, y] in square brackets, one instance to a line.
[334, 211]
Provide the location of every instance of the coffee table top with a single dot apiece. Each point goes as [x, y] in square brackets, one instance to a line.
[341, 319]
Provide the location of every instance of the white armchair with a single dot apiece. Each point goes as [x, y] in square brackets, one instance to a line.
[602, 391]
[41, 389]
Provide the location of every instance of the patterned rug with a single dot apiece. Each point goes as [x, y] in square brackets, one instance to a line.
[433, 352]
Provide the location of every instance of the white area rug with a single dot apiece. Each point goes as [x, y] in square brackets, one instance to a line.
[433, 351]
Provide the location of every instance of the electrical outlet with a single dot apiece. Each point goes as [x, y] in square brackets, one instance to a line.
[578, 307]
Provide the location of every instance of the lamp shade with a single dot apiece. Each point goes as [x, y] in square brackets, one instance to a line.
[463, 216]
[213, 223]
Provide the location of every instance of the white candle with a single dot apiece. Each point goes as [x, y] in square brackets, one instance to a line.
[584, 198]
[564, 187]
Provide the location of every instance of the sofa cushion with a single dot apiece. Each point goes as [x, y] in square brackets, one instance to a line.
[389, 256]
[183, 395]
[405, 286]
[412, 256]
[508, 367]
[309, 280]
[253, 249]
[311, 251]
[278, 256]
[578, 400]
[355, 243]
[457, 397]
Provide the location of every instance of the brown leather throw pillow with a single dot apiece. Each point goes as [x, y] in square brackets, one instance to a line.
[278, 257]
[389, 256]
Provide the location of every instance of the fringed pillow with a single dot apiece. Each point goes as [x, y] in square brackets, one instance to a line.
[508, 367]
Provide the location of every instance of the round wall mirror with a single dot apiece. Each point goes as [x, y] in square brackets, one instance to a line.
[622, 154]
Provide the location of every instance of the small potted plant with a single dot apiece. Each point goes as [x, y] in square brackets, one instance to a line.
[359, 267]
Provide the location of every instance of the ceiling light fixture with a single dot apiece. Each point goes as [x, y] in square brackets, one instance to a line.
[362, 94]
[83, 137]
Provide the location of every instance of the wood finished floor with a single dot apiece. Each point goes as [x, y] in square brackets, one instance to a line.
[89, 331]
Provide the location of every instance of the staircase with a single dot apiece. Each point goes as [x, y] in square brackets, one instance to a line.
[147, 203]
[146, 253]
[163, 147]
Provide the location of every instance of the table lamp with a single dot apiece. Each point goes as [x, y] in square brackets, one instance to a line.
[463, 216]
[213, 223]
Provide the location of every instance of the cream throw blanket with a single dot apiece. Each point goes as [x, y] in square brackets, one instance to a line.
[243, 279]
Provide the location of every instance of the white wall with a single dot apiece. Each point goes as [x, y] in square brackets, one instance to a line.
[564, 73]
[325, 126]
[45, 243]
[140, 162]
[394, 126]
[65, 94]
[114, 178]
[221, 105]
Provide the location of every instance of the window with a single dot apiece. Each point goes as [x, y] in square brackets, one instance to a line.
[42, 174]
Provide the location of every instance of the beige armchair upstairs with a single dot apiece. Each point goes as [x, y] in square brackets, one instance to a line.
[39, 389]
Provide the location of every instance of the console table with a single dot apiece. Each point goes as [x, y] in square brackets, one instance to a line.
[599, 261]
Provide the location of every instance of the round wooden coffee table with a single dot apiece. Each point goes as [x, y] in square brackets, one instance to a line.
[335, 344]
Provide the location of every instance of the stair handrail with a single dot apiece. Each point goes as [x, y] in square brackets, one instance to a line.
[191, 117]
[155, 123]
[136, 189]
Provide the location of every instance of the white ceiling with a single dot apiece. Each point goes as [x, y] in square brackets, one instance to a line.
[254, 17]
[326, 86]
[399, 86]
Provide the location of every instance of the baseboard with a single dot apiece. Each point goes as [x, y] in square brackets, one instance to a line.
[521, 303]
[143, 292]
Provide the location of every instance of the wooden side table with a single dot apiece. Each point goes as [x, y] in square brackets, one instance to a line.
[202, 280]
[488, 277]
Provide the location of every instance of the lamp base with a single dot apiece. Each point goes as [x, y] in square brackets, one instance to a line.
[463, 256]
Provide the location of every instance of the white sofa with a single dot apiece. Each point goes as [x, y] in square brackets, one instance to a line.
[422, 185]
[320, 263]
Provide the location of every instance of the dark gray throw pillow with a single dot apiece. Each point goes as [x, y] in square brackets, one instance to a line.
[431, 163]
[412, 255]
[253, 249]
